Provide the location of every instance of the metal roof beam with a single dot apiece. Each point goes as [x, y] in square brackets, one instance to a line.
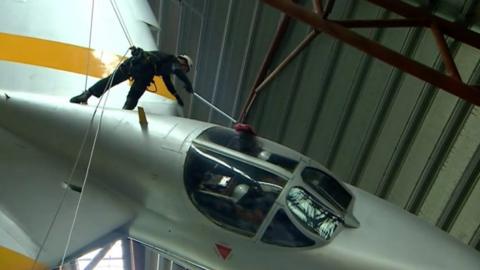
[282, 27]
[445, 52]
[262, 78]
[419, 70]
[280, 67]
[318, 6]
[453, 29]
[382, 23]
[329, 8]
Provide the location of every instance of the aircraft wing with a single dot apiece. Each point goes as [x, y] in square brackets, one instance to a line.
[31, 191]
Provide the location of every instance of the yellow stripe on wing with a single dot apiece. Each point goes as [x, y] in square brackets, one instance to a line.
[12, 260]
[66, 57]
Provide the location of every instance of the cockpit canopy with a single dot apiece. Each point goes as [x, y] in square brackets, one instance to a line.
[232, 193]
[249, 144]
[235, 179]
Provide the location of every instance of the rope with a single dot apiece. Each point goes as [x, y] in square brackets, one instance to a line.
[215, 108]
[77, 159]
[75, 165]
[87, 171]
[109, 84]
[121, 21]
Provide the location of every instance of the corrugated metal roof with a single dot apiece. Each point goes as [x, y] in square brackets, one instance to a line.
[373, 125]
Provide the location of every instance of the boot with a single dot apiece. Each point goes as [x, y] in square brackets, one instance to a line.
[82, 98]
[130, 104]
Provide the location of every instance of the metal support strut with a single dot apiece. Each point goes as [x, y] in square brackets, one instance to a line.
[452, 82]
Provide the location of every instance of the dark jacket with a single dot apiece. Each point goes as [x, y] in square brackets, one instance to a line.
[161, 64]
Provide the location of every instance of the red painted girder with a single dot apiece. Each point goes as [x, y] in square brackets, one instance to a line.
[455, 30]
[374, 49]
[382, 23]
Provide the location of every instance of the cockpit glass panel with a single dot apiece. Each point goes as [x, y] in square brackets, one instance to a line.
[247, 144]
[311, 214]
[233, 194]
[282, 232]
[327, 186]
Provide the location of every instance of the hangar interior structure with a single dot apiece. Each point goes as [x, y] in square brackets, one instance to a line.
[383, 93]
[373, 124]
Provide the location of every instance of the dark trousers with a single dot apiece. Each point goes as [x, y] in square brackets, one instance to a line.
[142, 78]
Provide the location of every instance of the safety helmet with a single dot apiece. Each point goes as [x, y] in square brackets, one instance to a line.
[239, 191]
[187, 59]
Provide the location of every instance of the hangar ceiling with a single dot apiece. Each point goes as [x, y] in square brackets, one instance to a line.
[373, 125]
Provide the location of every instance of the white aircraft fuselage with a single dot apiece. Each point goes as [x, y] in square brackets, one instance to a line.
[222, 199]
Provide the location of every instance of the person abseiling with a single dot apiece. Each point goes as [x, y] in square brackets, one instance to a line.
[142, 66]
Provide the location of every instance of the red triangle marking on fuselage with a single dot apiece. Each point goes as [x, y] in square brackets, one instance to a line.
[224, 251]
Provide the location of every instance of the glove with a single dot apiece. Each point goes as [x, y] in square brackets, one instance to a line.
[179, 100]
[136, 51]
[189, 89]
